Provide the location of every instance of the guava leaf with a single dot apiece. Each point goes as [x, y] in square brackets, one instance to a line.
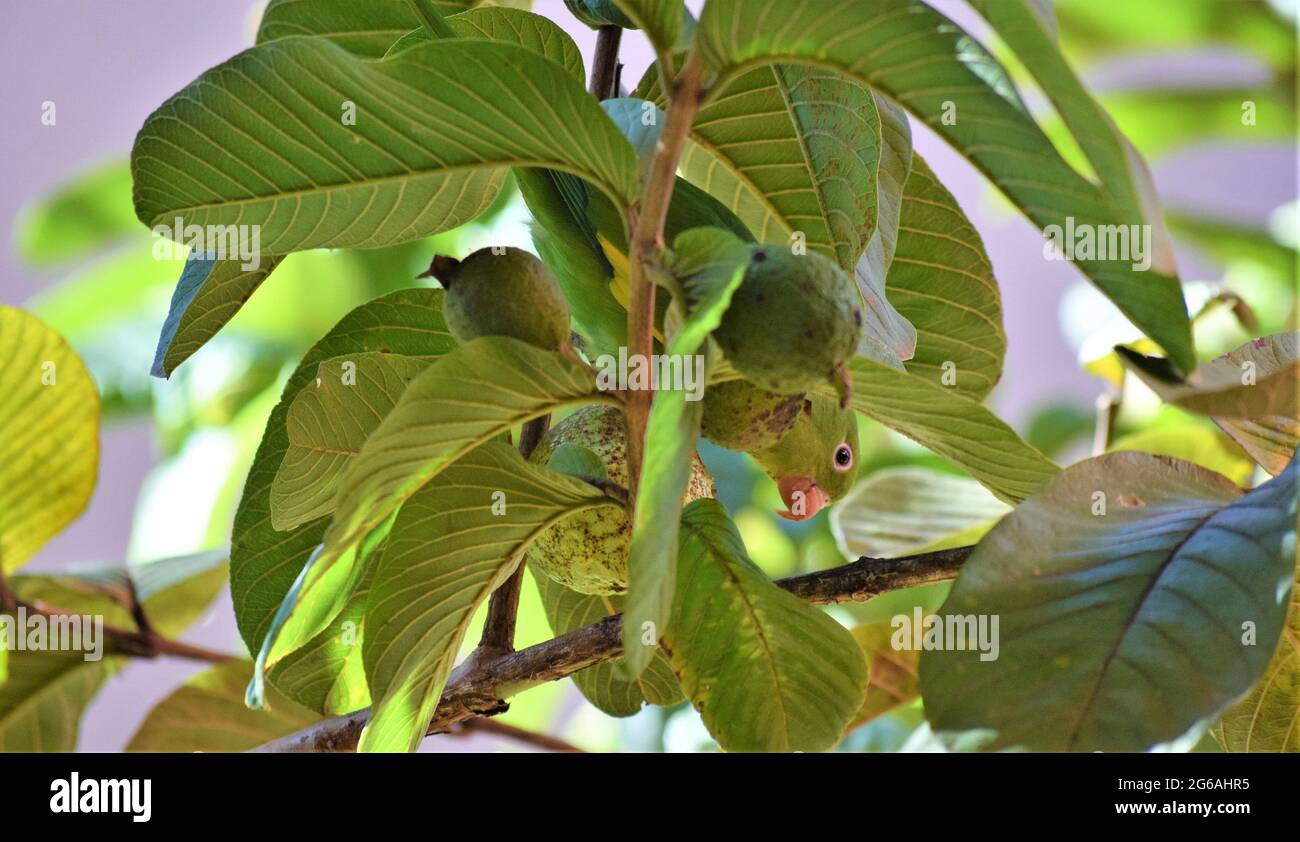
[412, 164]
[263, 561]
[895, 679]
[905, 510]
[1137, 596]
[88, 213]
[468, 397]
[766, 670]
[49, 453]
[327, 423]
[207, 713]
[911, 53]
[604, 684]
[453, 542]
[1269, 718]
[952, 425]
[941, 281]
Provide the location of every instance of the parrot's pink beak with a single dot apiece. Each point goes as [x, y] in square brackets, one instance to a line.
[803, 497]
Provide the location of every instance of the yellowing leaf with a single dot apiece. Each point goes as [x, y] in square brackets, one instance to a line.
[49, 446]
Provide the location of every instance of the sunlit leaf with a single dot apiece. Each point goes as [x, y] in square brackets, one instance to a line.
[49, 453]
[452, 544]
[766, 671]
[328, 423]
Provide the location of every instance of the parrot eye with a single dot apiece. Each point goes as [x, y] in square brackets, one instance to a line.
[843, 457]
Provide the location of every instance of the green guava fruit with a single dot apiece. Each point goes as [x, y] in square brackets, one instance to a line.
[587, 551]
[792, 322]
[740, 416]
[508, 294]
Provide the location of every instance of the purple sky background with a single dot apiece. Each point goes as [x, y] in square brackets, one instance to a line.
[107, 65]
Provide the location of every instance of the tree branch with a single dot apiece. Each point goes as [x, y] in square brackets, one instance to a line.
[647, 242]
[139, 643]
[480, 686]
[604, 65]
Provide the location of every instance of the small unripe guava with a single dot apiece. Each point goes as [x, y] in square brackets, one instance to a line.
[740, 416]
[587, 551]
[508, 294]
[792, 322]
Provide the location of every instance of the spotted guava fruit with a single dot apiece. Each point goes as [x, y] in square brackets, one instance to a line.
[587, 551]
[740, 416]
[508, 294]
[793, 321]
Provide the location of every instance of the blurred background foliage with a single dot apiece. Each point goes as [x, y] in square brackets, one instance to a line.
[209, 417]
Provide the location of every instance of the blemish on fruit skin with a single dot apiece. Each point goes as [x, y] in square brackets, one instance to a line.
[587, 551]
[1130, 501]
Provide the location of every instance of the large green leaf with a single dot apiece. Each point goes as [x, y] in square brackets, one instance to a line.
[49, 452]
[709, 263]
[1122, 171]
[466, 398]
[604, 685]
[452, 544]
[261, 141]
[766, 671]
[367, 28]
[263, 561]
[790, 150]
[207, 713]
[1269, 718]
[952, 425]
[328, 424]
[914, 55]
[535, 32]
[905, 510]
[86, 214]
[1138, 597]
[209, 293]
[942, 282]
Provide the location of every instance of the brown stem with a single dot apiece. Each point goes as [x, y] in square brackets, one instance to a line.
[503, 607]
[140, 643]
[480, 686]
[647, 226]
[604, 65]
[502, 729]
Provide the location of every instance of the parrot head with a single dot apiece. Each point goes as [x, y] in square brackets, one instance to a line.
[816, 462]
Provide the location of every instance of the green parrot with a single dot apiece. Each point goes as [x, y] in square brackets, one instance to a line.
[816, 462]
[580, 234]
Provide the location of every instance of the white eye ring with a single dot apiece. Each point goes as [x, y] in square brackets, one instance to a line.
[843, 459]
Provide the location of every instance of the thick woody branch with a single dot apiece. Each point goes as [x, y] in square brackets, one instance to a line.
[480, 686]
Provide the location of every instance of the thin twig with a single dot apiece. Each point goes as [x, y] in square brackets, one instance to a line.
[143, 643]
[502, 729]
[480, 686]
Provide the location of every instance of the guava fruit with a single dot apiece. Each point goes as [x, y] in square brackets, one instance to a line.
[793, 321]
[587, 551]
[740, 416]
[507, 294]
